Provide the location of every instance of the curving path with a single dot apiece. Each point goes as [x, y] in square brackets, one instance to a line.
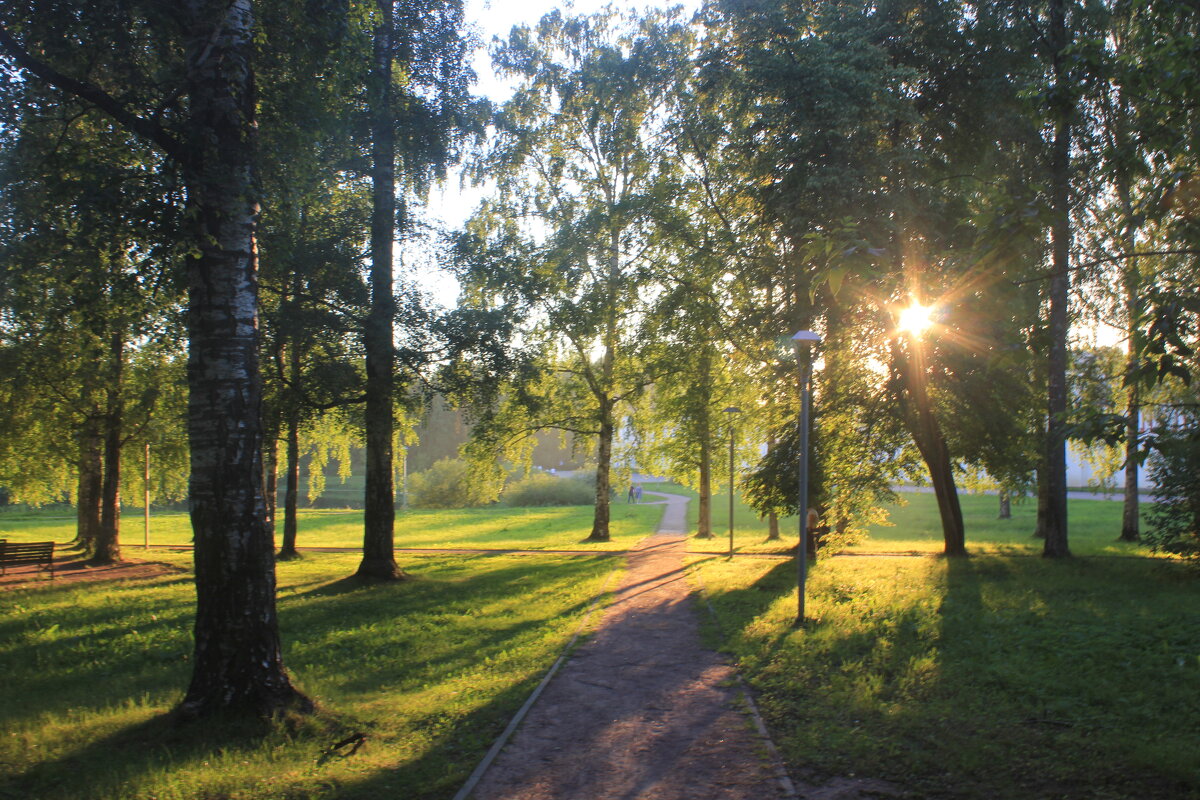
[641, 711]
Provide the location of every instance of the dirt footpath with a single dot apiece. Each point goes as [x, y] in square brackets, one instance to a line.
[641, 710]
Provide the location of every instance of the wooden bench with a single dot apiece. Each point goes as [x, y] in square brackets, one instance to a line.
[13, 554]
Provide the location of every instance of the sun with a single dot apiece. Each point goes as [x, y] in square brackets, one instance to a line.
[916, 319]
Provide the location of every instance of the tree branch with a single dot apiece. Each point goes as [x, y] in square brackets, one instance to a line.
[148, 130]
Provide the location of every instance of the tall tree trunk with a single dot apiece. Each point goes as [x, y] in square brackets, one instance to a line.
[1005, 505]
[379, 515]
[600, 519]
[927, 434]
[1130, 524]
[271, 475]
[91, 472]
[287, 549]
[107, 548]
[1060, 288]
[703, 408]
[1130, 528]
[237, 666]
[704, 524]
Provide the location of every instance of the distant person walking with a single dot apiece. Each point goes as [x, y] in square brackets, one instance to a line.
[637, 493]
[629, 498]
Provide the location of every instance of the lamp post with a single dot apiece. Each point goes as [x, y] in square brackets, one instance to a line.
[803, 341]
[731, 410]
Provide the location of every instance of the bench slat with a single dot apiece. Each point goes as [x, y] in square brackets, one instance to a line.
[17, 553]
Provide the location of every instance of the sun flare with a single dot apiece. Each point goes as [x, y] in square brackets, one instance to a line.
[916, 319]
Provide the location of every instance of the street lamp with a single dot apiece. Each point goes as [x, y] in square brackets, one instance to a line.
[731, 410]
[803, 341]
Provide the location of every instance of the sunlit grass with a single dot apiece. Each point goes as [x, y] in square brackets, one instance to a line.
[914, 526]
[988, 677]
[429, 670]
[550, 528]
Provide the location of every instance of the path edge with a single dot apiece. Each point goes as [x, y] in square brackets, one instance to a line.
[482, 767]
[777, 764]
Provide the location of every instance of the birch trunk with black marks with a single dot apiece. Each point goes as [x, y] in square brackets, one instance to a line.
[237, 665]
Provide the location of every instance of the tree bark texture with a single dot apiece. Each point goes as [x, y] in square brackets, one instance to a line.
[237, 666]
[379, 559]
[91, 472]
[1056, 545]
[107, 547]
[1005, 506]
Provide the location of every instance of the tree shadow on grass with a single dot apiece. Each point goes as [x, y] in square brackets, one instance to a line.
[120, 763]
[369, 663]
[442, 626]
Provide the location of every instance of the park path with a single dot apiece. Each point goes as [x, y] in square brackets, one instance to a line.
[641, 711]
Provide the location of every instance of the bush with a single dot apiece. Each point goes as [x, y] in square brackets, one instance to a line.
[542, 489]
[446, 484]
[1174, 519]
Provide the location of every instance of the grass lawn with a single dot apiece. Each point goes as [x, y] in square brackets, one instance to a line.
[430, 670]
[998, 676]
[548, 528]
[914, 526]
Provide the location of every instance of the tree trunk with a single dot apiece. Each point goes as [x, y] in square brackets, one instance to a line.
[1060, 287]
[1043, 498]
[1130, 528]
[271, 475]
[927, 434]
[600, 519]
[1005, 506]
[237, 666]
[772, 517]
[107, 549]
[704, 524]
[291, 488]
[379, 514]
[91, 471]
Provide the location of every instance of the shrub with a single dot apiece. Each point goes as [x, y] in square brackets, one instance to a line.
[542, 489]
[447, 484]
[1174, 519]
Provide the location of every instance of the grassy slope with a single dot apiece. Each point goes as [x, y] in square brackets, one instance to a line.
[430, 670]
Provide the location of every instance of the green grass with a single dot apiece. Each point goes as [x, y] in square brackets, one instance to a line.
[430, 670]
[552, 528]
[991, 677]
[914, 526]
